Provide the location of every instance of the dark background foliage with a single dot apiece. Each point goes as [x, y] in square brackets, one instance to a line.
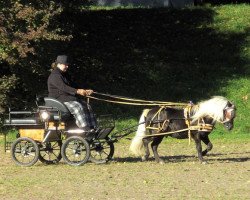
[160, 53]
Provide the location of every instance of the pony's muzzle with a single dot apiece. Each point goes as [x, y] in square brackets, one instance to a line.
[228, 125]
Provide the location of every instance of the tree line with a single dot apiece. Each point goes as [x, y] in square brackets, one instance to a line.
[29, 34]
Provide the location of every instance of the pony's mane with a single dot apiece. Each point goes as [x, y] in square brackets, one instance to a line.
[211, 108]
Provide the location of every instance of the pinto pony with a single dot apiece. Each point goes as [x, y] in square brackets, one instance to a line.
[195, 121]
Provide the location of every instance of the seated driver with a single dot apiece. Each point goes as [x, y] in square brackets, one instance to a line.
[62, 88]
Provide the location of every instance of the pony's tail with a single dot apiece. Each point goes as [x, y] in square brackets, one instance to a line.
[136, 146]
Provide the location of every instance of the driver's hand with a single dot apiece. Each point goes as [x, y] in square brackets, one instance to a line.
[89, 92]
[84, 92]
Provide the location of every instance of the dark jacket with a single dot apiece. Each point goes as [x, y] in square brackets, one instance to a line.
[61, 87]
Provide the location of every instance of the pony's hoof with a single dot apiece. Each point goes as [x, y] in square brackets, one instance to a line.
[144, 158]
[162, 162]
[204, 162]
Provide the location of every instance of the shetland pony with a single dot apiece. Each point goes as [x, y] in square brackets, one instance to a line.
[177, 121]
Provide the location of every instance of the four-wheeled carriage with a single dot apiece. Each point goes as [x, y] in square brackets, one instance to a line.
[50, 133]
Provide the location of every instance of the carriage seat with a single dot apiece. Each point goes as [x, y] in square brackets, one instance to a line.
[63, 114]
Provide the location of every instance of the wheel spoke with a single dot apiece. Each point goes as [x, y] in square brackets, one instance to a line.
[44, 156]
[51, 153]
[106, 153]
[55, 145]
[54, 154]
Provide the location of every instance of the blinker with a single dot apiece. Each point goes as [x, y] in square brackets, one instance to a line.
[228, 113]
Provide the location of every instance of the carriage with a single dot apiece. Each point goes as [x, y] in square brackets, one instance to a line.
[49, 134]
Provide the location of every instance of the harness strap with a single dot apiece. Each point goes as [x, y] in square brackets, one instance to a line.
[206, 127]
[157, 115]
[199, 127]
[160, 127]
[187, 111]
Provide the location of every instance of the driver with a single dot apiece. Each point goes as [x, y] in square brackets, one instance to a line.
[62, 88]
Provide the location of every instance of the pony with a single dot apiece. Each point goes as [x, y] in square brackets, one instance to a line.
[193, 121]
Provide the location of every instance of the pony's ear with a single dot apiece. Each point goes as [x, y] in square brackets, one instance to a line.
[230, 104]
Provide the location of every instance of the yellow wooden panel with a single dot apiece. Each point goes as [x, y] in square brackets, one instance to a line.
[57, 126]
[35, 134]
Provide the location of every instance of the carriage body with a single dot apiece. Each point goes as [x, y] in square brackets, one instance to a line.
[50, 131]
[40, 134]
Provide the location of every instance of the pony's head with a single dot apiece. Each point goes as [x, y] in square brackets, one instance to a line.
[229, 115]
[219, 109]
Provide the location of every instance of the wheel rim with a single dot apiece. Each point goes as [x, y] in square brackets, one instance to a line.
[51, 152]
[25, 152]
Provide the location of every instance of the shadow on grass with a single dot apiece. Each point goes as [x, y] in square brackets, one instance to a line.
[187, 158]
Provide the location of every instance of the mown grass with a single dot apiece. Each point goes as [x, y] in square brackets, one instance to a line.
[181, 177]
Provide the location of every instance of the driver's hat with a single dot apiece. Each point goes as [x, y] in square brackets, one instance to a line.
[62, 59]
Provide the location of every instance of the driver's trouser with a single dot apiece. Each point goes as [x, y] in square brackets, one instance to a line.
[83, 113]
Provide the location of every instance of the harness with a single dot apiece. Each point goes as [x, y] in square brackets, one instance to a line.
[201, 125]
[158, 121]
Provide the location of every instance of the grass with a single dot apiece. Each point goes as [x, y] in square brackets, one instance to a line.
[230, 18]
[225, 177]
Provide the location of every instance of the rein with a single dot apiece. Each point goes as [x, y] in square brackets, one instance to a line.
[130, 101]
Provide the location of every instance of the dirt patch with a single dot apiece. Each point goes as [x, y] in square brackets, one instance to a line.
[227, 176]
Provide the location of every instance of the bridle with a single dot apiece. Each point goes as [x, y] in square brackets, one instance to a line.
[228, 113]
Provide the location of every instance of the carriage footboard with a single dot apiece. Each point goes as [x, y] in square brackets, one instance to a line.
[106, 124]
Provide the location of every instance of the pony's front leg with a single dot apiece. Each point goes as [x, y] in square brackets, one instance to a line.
[199, 147]
[206, 140]
[145, 142]
[154, 145]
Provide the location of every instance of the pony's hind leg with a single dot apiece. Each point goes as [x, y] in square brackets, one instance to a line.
[206, 140]
[145, 142]
[156, 141]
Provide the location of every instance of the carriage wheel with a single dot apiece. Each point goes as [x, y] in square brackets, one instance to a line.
[25, 152]
[101, 151]
[75, 151]
[50, 153]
